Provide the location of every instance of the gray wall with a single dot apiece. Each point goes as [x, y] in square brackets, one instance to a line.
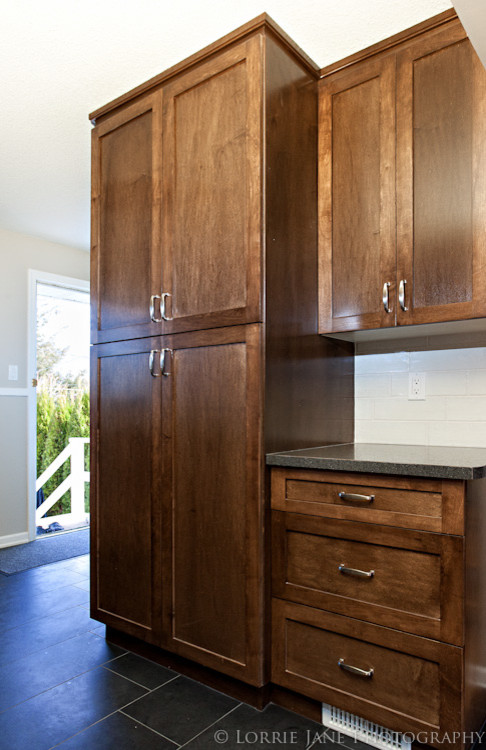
[18, 254]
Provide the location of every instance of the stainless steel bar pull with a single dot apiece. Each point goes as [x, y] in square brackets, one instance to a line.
[358, 498]
[163, 361]
[163, 310]
[386, 296]
[356, 670]
[401, 294]
[355, 572]
[152, 362]
[152, 308]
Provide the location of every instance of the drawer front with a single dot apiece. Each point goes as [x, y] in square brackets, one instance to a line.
[427, 504]
[408, 580]
[403, 682]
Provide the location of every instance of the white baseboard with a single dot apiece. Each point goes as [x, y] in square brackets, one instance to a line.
[14, 392]
[11, 539]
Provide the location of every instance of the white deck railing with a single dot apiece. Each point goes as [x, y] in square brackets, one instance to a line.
[74, 482]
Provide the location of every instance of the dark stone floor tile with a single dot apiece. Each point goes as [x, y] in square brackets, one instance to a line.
[79, 564]
[84, 584]
[181, 709]
[144, 672]
[22, 609]
[120, 732]
[245, 727]
[59, 713]
[98, 629]
[26, 585]
[41, 671]
[43, 632]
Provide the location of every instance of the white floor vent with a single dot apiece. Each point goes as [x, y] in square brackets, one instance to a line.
[360, 729]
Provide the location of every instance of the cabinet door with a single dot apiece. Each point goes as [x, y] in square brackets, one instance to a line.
[125, 492]
[213, 558]
[126, 175]
[357, 198]
[441, 179]
[212, 121]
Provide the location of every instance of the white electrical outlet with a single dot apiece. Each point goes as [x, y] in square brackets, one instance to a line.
[13, 372]
[416, 386]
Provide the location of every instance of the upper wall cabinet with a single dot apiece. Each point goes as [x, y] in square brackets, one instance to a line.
[177, 203]
[126, 220]
[402, 186]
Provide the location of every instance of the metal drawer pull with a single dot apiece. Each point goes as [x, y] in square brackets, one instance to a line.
[162, 306]
[361, 498]
[162, 361]
[152, 362]
[386, 296]
[356, 670]
[355, 572]
[152, 308]
[401, 294]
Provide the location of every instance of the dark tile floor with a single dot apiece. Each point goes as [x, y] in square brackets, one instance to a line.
[62, 685]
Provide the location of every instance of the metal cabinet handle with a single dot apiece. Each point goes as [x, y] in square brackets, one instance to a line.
[386, 296]
[162, 361]
[152, 362]
[359, 498]
[152, 308]
[355, 572]
[356, 670]
[162, 306]
[401, 294]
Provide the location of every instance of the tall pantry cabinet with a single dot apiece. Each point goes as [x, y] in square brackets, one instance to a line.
[205, 348]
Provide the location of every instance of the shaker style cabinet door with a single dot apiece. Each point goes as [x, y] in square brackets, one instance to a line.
[125, 493]
[212, 124]
[357, 198]
[126, 218]
[441, 179]
[213, 557]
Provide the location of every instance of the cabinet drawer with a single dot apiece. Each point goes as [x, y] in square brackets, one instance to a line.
[428, 504]
[414, 684]
[408, 580]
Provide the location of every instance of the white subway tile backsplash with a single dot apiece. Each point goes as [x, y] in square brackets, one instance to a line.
[399, 384]
[403, 409]
[454, 409]
[402, 433]
[448, 359]
[467, 409]
[476, 382]
[460, 434]
[382, 363]
[363, 408]
[376, 384]
[446, 383]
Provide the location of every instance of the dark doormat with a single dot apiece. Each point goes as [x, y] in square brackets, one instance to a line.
[44, 551]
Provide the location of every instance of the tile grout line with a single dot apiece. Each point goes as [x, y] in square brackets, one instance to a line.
[147, 693]
[212, 725]
[119, 710]
[63, 682]
[52, 645]
[138, 683]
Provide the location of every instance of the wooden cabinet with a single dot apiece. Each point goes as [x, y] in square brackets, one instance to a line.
[371, 613]
[212, 191]
[176, 454]
[204, 199]
[177, 203]
[126, 221]
[126, 507]
[402, 185]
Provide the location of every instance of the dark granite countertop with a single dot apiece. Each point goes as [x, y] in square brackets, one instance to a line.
[412, 460]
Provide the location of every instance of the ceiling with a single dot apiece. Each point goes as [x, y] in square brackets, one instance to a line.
[60, 60]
